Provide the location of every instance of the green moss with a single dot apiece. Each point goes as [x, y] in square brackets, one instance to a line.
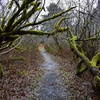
[98, 78]
[81, 69]
[23, 73]
[97, 81]
[95, 59]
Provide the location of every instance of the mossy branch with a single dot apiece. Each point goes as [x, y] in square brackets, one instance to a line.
[27, 15]
[15, 15]
[48, 19]
[95, 59]
[91, 64]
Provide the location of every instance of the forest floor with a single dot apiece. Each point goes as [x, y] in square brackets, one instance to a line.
[43, 76]
[21, 73]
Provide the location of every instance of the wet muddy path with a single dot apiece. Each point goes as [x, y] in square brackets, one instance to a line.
[51, 86]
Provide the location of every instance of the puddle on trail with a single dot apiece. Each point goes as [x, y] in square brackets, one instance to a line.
[51, 85]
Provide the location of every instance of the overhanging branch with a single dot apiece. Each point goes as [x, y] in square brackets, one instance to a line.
[48, 19]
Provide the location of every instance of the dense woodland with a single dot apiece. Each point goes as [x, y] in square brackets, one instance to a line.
[69, 29]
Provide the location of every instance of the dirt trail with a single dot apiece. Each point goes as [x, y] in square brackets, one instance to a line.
[51, 85]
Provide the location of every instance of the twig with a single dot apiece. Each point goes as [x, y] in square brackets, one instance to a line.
[13, 47]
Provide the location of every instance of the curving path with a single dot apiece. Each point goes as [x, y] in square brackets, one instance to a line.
[51, 86]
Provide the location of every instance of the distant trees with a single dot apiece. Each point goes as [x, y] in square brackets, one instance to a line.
[48, 26]
[52, 9]
[56, 39]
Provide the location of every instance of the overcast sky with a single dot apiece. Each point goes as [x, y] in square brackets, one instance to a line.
[62, 3]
